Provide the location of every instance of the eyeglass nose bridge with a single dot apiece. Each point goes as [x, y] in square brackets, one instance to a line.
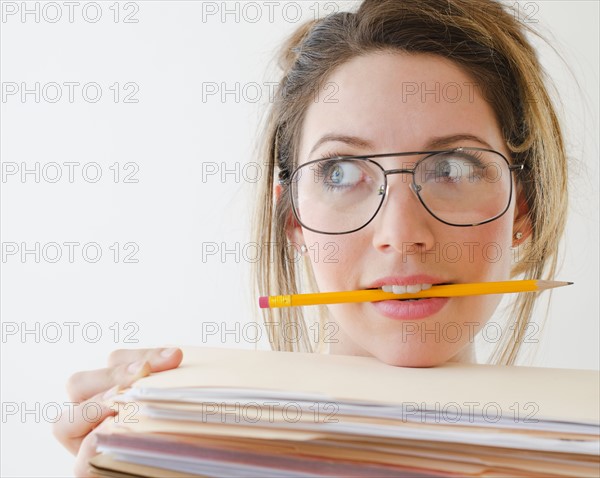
[383, 189]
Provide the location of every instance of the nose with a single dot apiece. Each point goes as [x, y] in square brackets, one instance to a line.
[402, 221]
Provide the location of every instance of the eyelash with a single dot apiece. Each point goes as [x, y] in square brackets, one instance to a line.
[332, 154]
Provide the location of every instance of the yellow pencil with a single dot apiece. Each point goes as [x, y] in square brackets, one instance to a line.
[375, 295]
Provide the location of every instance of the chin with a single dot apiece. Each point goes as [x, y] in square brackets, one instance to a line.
[420, 359]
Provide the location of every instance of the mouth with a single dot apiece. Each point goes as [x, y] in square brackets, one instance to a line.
[400, 308]
[423, 287]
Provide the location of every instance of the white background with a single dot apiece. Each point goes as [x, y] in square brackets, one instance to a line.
[174, 209]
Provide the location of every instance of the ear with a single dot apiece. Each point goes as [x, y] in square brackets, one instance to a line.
[522, 221]
[293, 228]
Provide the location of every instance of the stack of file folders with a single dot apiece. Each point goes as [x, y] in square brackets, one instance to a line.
[244, 413]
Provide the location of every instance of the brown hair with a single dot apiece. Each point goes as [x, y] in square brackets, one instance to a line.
[484, 38]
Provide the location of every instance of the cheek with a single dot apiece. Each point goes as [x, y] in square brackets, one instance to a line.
[497, 252]
[480, 253]
[337, 261]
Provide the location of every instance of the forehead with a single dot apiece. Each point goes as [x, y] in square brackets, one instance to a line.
[399, 101]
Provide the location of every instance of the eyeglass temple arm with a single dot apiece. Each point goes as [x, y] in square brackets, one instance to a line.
[283, 177]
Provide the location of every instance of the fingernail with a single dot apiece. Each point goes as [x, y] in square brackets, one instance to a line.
[166, 353]
[135, 367]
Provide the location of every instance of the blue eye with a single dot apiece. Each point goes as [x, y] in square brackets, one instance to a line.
[453, 167]
[337, 175]
[449, 169]
[341, 174]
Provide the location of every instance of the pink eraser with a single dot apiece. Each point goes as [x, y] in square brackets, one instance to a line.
[263, 302]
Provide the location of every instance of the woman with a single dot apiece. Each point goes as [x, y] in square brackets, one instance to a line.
[406, 76]
[454, 141]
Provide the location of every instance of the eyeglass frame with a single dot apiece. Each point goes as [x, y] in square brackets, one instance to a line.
[286, 181]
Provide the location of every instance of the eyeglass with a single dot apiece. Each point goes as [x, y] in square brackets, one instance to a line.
[459, 187]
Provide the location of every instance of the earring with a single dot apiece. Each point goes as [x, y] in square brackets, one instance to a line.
[518, 235]
[303, 249]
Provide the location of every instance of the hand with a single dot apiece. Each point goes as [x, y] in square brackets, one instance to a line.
[90, 390]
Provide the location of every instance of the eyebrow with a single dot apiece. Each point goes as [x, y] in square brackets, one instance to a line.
[434, 143]
[342, 138]
[445, 141]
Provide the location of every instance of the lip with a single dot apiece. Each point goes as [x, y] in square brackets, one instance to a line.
[407, 280]
[403, 310]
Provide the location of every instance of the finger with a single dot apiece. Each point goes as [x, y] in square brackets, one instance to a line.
[83, 385]
[160, 358]
[77, 421]
[87, 451]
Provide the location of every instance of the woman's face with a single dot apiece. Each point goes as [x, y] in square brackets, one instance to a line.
[395, 102]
